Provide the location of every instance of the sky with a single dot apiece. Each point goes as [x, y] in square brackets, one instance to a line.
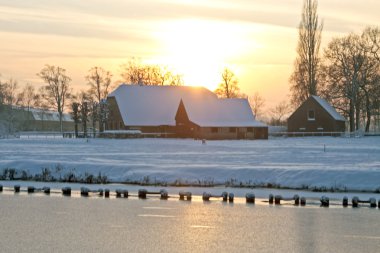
[256, 39]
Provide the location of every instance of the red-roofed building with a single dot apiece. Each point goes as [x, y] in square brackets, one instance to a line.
[316, 115]
[182, 111]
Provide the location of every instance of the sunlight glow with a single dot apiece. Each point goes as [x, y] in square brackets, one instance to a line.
[200, 49]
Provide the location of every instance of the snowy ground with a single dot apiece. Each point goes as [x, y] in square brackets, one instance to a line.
[352, 163]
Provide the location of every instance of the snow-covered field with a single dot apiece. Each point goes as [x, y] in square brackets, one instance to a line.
[352, 163]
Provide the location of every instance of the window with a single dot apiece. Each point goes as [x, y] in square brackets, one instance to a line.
[214, 129]
[250, 129]
[232, 129]
[121, 125]
[311, 115]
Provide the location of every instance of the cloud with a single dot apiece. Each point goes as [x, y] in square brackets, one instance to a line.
[115, 18]
[136, 19]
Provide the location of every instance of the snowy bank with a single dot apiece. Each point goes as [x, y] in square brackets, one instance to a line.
[343, 163]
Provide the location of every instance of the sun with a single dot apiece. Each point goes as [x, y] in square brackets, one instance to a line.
[200, 49]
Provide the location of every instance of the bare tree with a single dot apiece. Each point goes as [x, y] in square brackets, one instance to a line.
[99, 81]
[10, 100]
[81, 111]
[371, 35]
[57, 88]
[344, 60]
[41, 105]
[353, 76]
[84, 113]
[229, 87]
[95, 115]
[133, 72]
[1, 94]
[137, 73]
[75, 116]
[27, 96]
[166, 77]
[371, 73]
[279, 112]
[257, 102]
[304, 78]
[10, 92]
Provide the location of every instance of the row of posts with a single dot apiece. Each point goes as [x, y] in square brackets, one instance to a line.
[250, 197]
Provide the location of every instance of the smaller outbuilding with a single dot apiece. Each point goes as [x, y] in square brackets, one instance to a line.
[316, 115]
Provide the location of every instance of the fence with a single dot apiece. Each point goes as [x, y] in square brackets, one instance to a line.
[40, 135]
[306, 134]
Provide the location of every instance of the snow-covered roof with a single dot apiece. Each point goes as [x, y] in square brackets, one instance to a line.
[231, 112]
[45, 115]
[328, 108]
[158, 105]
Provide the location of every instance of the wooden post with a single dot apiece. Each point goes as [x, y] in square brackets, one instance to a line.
[142, 193]
[277, 199]
[106, 193]
[231, 197]
[345, 201]
[66, 191]
[250, 198]
[164, 194]
[303, 201]
[372, 203]
[30, 189]
[206, 196]
[118, 193]
[224, 196]
[355, 201]
[84, 191]
[270, 199]
[46, 190]
[296, 200]
[17, 188]
[183, 194]
[325, 201]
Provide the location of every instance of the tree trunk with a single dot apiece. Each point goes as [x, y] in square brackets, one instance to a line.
[357, 117]
[85, 128]
[60, 121]
[352, 116]
[368, 109]
[93, 126]
[368, 123]
[76, 129]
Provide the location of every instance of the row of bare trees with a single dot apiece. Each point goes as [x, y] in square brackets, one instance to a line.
[351, 76]
[135, 72]
[86, 106]
[12, 98]
[347, 74]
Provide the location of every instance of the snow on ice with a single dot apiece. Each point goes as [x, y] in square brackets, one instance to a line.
[346, 163]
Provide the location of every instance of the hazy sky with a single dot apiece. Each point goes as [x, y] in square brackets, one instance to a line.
[255, 38]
